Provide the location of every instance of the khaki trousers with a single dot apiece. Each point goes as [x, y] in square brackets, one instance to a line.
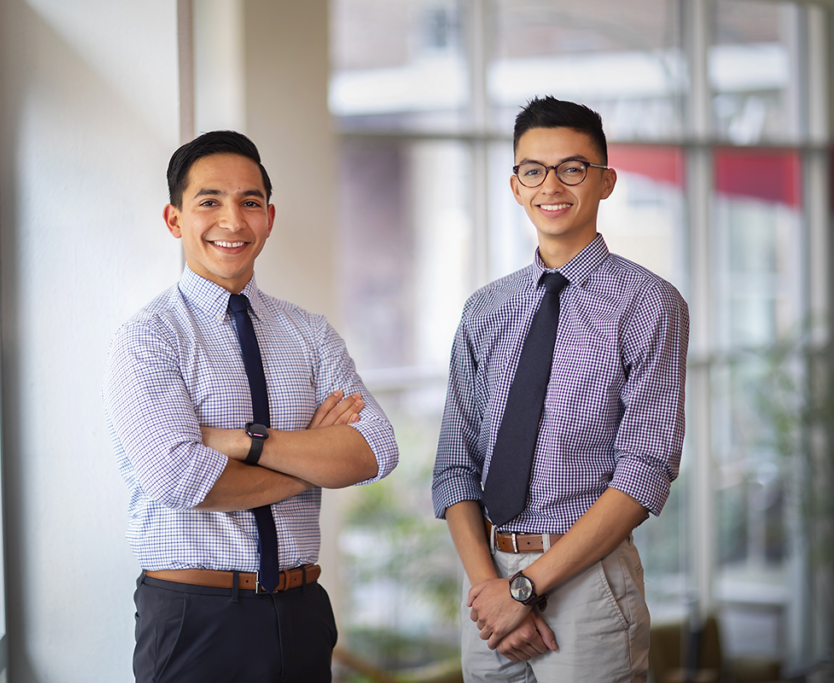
[599, 618]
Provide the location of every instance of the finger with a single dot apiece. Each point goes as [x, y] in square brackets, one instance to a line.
[474, 592]
[351, 412]
[534, 646]
[327, 405]
[545, 632]
[514, 655]
[341, 413]
[493, 641]
[509, 653]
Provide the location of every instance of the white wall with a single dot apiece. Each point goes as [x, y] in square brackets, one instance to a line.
[88, 119]
[89, 116]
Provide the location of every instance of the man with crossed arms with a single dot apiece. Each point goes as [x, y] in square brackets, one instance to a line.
[556, 583]
[184, 389]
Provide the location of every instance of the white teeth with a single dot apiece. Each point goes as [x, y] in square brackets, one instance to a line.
[554, 207]
[230, 245]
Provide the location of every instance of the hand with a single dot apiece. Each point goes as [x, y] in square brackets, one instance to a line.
[337, 412]
[531, 638]
[494, 610]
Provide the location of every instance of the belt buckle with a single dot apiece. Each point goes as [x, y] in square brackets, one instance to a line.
[515, 542]
[258, 590]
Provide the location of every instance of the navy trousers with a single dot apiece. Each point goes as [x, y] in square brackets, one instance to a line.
[192, 634]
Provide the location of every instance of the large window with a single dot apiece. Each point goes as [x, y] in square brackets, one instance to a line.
[713, 117]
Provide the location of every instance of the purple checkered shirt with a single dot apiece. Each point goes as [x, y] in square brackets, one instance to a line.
[614, 410]
[177, 365]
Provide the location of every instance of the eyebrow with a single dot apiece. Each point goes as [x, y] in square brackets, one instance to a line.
[575, 157]
[207, 191]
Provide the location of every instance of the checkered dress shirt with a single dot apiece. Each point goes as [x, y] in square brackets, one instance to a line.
[614, 410]
[177, 365]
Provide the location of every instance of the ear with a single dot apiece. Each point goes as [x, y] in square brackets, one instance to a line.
[609, 179]
[516, 188]
[271, 215]
[171, 215]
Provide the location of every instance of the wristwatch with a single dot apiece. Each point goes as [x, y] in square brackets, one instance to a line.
[259, 434]
[523, 591]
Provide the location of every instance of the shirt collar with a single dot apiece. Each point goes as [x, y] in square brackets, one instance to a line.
[579, 268]
[213, 299]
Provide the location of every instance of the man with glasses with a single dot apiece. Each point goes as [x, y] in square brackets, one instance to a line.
[230, 410]
[563, 427]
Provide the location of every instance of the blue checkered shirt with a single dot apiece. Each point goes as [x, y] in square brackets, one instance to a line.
[177, 365]
[614, 410]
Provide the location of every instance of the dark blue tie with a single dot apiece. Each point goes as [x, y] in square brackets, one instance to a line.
[269, 574]
[508, 480]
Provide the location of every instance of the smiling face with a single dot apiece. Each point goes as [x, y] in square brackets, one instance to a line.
[565, 216]
[224, 220]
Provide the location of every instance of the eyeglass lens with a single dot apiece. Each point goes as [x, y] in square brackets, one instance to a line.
[532, 174]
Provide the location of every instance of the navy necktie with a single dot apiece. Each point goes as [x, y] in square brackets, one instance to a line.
[269, 573]
[508, 480]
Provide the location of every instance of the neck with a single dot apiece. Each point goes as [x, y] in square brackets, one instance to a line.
[557, 252]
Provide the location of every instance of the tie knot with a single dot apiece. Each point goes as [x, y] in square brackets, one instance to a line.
[554, 282]
[238, 303]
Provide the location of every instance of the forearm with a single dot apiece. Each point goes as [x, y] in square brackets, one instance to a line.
[599, 531]
[241, 487]
[466, 525]
[331, 457]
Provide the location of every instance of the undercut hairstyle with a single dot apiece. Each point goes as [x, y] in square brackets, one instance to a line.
[548, 112]
[215, 142]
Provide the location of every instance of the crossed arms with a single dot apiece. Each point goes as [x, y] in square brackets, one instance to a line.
[329, 453]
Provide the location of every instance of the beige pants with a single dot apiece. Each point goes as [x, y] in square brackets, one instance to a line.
[599, 617]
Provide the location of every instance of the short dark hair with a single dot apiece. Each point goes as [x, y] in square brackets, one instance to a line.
[548, 112]
[215, 142]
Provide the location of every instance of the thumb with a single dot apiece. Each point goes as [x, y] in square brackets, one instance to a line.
[545, 631]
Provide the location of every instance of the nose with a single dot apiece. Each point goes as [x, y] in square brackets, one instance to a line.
[232, 217]
[551, 182]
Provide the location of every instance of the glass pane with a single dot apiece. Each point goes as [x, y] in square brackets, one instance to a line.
[756, 248]
[405, 271]
[406, 250]
[398, 64]
[758, 301]
[752, 71]
[400, 572]
[643, 219]
[620, 57]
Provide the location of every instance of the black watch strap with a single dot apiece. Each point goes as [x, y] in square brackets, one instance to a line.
[259, 434]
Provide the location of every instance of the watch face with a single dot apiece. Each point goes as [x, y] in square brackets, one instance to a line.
[256, 430]
[521, 588]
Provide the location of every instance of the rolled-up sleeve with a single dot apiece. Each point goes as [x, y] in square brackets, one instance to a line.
[458, 465]
[153, 419]
[649, 441]
[337, 371]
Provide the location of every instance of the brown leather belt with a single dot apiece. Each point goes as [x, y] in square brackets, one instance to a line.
[520, 543]
[290, 578]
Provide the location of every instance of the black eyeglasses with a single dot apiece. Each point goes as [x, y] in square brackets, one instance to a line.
[570, 172]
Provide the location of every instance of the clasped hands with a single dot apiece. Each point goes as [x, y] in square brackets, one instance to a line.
[335, 410]
[517, 631]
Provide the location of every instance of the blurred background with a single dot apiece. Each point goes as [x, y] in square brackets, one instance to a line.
[386, 126]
